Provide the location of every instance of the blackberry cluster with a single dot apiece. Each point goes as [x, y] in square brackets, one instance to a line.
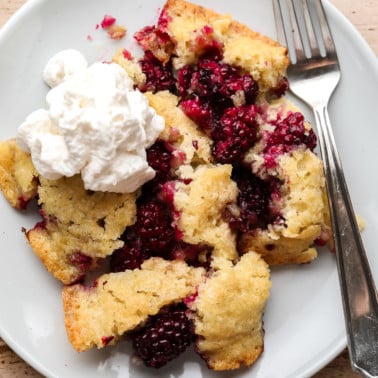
[291, 132]
[220, 98]
[159, 77]
[215, 82]
[154, 235]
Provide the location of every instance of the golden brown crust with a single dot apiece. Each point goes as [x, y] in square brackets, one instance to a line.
[228, 312]
[279, 251]
[201, 16]
[120, 302]
[76, 222]
[80, 227]
[18, 177]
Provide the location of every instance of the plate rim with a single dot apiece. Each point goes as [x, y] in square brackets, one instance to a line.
[370, 57]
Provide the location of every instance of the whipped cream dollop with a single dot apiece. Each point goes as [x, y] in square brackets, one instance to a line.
[95, 124]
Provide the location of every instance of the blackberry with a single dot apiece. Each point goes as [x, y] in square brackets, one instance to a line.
[205, 81]
[219, 97]
[167, 335]
[214, 85]
[130, 256]
[159, 158]
[184, 78]
[235, 134]
[151, 235]
[200, 112]
[253, 201]
[153, 227]
[291, 131]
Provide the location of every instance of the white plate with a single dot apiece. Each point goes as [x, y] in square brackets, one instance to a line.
[303, 320]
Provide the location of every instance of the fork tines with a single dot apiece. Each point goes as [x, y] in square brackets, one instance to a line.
[302, 26]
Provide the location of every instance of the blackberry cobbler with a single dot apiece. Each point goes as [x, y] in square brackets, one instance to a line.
[237, 188]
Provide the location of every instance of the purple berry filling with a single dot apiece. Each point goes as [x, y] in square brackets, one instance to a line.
[159, 77]
[289, 133]
[130, 256]
[83, 262]
[254, 204]
[234, 134]
[220, 99]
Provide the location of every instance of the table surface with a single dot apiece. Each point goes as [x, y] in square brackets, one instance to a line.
[364, 15]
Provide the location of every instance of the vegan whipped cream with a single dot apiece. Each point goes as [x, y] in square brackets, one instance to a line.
[96, 124]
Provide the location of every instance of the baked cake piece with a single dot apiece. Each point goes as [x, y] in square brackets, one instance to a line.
[227, 313]
[187, 30]
[199, 206]
[18, 177]
[298, 197]
[120, 302]
[302, 211]
[79, 228]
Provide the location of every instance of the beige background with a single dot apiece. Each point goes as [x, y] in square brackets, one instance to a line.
[364, 15]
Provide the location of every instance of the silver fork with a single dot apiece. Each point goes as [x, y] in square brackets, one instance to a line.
[313, 75]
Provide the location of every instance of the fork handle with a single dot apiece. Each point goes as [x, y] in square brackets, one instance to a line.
[356, 280]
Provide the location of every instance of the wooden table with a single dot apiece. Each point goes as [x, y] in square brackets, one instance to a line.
[364, 15]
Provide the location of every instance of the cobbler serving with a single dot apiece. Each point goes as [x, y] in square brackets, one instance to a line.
[183, 175]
